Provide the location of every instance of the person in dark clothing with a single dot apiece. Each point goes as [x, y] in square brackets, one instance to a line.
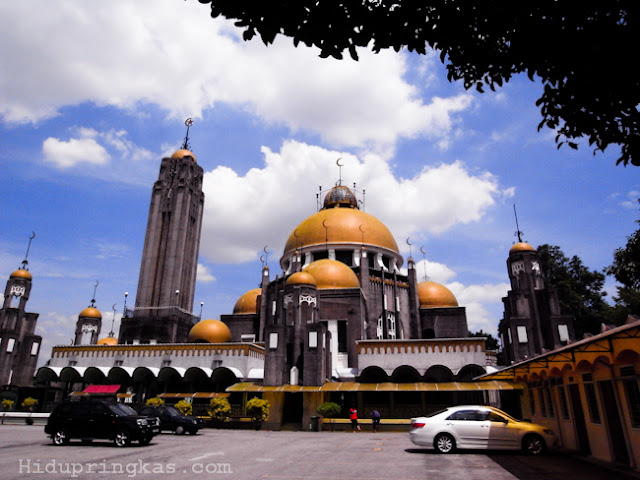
[375, 420]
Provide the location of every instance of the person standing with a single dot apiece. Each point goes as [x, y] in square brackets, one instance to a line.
[375, 420]
[353, 416]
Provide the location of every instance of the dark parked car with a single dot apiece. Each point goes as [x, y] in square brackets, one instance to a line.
[173, 419]
[98, 419]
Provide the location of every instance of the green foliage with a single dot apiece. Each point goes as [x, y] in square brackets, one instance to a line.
[579, 289]
[626, 270]
[219, 409]
[329, 409]
[155, 402]
[29, 403]
[258, 409]
[484, 44]
[491, 343]
[184, 406]
[7, 404]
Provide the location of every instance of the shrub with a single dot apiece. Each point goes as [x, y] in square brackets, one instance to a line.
[7, 404]
[184, 406]
[29, 403]
[258, 409]
[329, 410]
[155, 402]
[219, 409]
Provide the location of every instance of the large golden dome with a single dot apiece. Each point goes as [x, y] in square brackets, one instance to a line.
[108, 341]
[210, 331]
[521, 247]
[21, 273]
[91, 312]
[435, 295]
[247, 303]
[339, 226]
[332, 274]
[184, 153]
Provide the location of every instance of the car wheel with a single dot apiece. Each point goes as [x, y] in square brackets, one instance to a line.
[122, 439]
[533, 444]
[179, 430]
[60, 437]
[444, 443]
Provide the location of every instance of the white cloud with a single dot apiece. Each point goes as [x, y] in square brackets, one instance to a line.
[245, 213]
[136, 53]
[483, 304]
[203, 274]
[65, 154]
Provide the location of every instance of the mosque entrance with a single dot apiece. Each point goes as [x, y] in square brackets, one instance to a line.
[292, 411]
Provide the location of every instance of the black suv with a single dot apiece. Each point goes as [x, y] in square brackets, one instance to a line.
[173, 419]
[98, 419]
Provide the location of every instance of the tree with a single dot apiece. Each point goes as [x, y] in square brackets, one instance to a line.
[155, 402]
[626, 270]
[491, 343]
[581, 55]
[579, 289]
[219, 409]
[185, 407]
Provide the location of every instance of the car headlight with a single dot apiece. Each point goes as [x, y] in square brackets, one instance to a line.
[548, 431]
[142, 421]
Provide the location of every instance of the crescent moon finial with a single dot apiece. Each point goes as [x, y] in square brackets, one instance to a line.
[338, 162]
[408, 242]
[422, 251]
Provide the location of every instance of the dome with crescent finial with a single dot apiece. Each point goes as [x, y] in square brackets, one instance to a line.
[91, 312]
[301, 278]
[21, 273]
[332, 274]
[340, 196]
[247, 303]
[182, 153]
[521, 247]
[435, 295]
[210, 331]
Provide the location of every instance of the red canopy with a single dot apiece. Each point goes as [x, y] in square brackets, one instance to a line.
[102, 389]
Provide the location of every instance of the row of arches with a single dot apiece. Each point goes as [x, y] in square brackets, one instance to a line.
[409, 374]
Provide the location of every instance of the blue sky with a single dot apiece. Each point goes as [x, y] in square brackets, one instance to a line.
[93, 95]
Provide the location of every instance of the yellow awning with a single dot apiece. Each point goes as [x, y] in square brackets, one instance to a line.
[380, 387]
[193, 395]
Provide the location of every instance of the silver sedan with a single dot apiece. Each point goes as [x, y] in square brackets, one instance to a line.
[479, 427]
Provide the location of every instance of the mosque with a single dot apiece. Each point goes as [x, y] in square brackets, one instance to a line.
[342, 321]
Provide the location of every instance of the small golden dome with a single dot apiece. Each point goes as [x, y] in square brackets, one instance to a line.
[91, 312]
[301, 278]
[210, 331]
[435, 295]
[521, 247]
[341, 225]
[108, 341]
[21, 273]
[340, 196]
[247, 303]
[184, 153]
[332, 274]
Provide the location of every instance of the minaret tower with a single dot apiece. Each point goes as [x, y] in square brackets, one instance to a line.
[89, 323]
[166, 286]
[532, 323]
[19, 346]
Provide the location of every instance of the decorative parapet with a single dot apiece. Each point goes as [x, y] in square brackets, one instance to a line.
[156, 350]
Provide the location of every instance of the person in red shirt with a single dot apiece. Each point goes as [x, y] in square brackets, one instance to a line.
[353, 416]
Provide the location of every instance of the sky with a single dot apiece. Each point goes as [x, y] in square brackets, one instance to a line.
[94, 94]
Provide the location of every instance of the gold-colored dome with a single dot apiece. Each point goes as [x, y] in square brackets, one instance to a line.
[248, 302]
[341, 225]
[332, 274]
[521, 247]
[435, 295]
[108, 341]
[301, 278]
[91, 312]
[184, 153]
[21, 273]
[210, 331]
[340, 196]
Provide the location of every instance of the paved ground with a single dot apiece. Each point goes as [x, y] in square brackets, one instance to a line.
[25, 452]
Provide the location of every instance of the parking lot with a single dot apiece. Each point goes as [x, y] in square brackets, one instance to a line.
[25, 452]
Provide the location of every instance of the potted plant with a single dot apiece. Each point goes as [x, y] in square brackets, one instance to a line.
[7, 404]
[219, 409]
[184, 406]
[155, 402]
[29, 404]
[258, 410]
[329, 410]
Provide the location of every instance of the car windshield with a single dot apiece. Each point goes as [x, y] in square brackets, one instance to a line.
[174, 412]
[120, 409]
[506, 415]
